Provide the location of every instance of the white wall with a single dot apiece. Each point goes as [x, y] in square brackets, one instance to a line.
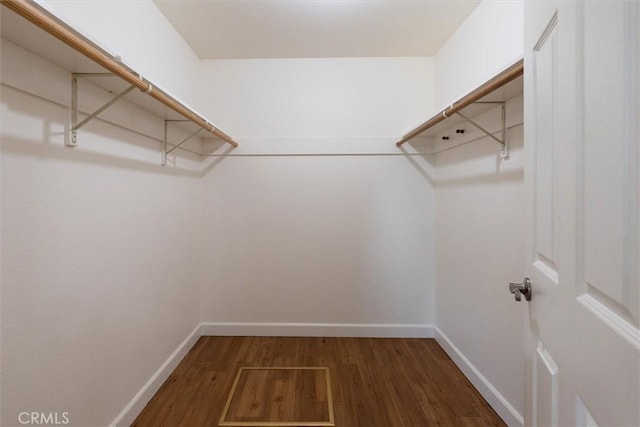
[343, 240]
[141, 35]
[480, 233]
[301, 98]
[319, 239]
[488, 41]
[480, 221]
[99, 255]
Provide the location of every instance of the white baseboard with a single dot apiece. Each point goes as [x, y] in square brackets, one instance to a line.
[140, 400]
[486, 389]
[497, 401]
[317, 330]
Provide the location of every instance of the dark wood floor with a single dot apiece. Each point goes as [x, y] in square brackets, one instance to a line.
[374, 382]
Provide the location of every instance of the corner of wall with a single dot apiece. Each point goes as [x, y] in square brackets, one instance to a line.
[491, 394]
[149, 389]
[477, 50]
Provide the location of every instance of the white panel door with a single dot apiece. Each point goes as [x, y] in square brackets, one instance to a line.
[582, 115]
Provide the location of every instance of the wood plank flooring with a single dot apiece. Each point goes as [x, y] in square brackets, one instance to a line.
[277, 395]
[375, 382]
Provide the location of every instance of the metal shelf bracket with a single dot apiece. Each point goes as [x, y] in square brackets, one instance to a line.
[75, 125]
[165, 143]
[504, 143]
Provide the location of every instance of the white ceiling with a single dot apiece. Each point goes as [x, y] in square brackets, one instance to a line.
[222, 29]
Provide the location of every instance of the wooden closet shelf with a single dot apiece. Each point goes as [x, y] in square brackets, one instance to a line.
[51, 38]
[500, 88]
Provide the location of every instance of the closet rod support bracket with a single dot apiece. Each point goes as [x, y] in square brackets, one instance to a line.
[75, 125]
[504, 144]
[165, 143]
[504, 152]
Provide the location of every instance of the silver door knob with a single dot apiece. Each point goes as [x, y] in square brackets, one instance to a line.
[519, 289]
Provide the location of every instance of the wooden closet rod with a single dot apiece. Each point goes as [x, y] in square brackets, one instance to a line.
[33, 13]
[496, 82]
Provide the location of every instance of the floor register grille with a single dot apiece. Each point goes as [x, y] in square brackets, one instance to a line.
[279, 396]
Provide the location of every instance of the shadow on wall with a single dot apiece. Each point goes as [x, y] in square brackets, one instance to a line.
[481, 179]
[28, 148]
[34, 126]
[210, 147]
[423, 164]
[467, 165]
[482, 147]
